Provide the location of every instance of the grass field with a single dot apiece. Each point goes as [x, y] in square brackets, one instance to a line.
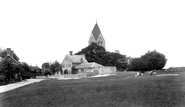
[123, 90]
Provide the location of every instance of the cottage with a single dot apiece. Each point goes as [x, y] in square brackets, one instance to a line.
[71, 61]
[10, 57]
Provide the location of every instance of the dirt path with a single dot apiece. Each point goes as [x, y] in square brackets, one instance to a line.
[18, 84]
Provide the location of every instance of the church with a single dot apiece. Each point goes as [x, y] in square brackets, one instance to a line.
[77, 64]
[96, 36]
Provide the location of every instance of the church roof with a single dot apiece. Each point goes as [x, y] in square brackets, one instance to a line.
[96, 31]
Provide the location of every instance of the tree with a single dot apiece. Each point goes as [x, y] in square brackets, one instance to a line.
[25, 66]
[55, 67]
[98, 54]
[93, 48]
[45, 65]
[46, 69]
[26, 71]
[47, 72]
[11, 71]
[150, 61]
[155, 60]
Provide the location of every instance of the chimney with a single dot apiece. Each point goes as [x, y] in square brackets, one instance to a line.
[71, 53]
[81, 58]
[116, 51]
[9, 52]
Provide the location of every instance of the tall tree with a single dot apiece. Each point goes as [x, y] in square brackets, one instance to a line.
[55, 66]
[45, 65]
[155, 60]
[150, 61]
[98, 54]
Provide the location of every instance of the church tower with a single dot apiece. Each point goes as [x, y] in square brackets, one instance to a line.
[96, 36]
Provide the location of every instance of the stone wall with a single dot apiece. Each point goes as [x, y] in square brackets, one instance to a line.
[107, 70]
[80, 75]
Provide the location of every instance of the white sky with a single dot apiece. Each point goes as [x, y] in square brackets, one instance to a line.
[46, 30]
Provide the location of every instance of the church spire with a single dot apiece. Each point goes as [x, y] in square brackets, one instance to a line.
[96, 36]
[96, 31]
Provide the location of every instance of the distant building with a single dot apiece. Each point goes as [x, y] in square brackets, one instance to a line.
[8, 56]
[97, 37]
[71, 60]
[35, 68]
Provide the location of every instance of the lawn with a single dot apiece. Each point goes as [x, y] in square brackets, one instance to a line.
[123, 90]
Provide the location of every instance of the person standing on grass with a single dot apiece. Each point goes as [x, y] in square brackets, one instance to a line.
[151, 73]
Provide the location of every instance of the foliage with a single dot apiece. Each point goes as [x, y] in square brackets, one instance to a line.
[26, 67]
[3, 79]
[135, 64]
[98, 54]
[55, 67]
[26, 71]
[52, 67]
[12, 72]
[47, 72]
[45, 65]
[93, 48]
[150, 61]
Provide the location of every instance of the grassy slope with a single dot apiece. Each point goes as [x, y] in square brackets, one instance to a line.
[114, 91]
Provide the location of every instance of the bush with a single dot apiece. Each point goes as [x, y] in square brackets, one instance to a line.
[3, 79]
[47, 72]
[28, 75]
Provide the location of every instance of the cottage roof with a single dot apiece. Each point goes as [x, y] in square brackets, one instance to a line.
[10, 54]
[96, 31]
[11, 58]
[89, 65]
[76, 58]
